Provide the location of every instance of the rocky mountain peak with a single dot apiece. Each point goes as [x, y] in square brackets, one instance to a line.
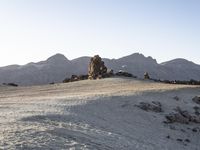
[57, 58]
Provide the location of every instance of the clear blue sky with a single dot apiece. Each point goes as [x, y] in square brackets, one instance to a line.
[33, 30]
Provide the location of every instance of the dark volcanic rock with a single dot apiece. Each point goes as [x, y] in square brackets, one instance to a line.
[75, 78]
[196, 99]
[197, 110]
[196, 129]
[11, 84]
[154, 106]
[125, 74]
[176, 98]
[182, 116]
[175, 117]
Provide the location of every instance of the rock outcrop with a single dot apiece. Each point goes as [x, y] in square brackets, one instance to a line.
[97, 68]
[153, 106]
[182, 116]
[125, 74]
[146, 75]
[75, 78]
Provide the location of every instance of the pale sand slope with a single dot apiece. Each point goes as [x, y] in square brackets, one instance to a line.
[93, 115]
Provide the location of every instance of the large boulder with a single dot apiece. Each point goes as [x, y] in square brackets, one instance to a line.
[96, 68]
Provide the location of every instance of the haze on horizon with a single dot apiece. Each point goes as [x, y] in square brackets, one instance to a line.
[33, 30]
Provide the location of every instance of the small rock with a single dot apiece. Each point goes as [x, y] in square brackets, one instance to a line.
[194, 130]
[182, 130]
[168, 137]
[125, 74]
[124, 105]
[172, 127]
[176, 98]
[197, 129]
[196, 99]
[180, 140]
[187, 140]
[197, 110]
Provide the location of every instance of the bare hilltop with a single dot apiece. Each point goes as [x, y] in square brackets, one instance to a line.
[112, 113]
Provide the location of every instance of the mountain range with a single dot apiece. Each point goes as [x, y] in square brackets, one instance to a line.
[58, 67]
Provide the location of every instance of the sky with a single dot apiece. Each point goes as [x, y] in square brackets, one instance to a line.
[33, 30]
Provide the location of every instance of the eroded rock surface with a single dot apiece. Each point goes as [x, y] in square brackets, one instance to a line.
[153, 106]
[97, 68]
[182, 116]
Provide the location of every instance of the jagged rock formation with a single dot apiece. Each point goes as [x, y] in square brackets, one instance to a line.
[97, 68]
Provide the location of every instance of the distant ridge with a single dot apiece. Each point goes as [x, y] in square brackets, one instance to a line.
[58, 67]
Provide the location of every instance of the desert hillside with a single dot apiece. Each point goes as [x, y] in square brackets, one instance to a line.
[112, 113]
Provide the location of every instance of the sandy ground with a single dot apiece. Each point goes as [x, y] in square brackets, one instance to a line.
[98, 114]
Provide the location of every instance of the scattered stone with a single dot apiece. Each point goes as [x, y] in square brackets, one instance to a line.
[10, 84]
[75, 78]
[154, 106]
[187, 140]
[83, 77]
[146, 75]
[196, 99]
[183, 117]
[180, 140]
[172, 127]
[197, 110]
[183, 141]
[196, 129]
[168, 137]
[184, 113]
[182, 130]
[124, 105]
[190, 82]
[176, 98]
[125, 74]
[175, 117]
